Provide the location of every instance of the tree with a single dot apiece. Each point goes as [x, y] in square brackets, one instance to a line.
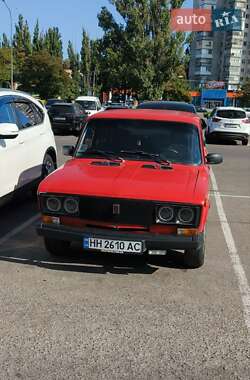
[53, 42]
[141, 53]
[245, 91]
[22, 45]
[85, 62]
[74, 66]
[4, 66]
[44, 75]
[5, 41]
[37, 42]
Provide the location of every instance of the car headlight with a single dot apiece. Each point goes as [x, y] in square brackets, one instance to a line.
[166, 214]
[71, 205]
[185, 215]
[53, 204]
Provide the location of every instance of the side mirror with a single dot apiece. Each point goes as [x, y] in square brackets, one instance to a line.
[8, 131]
[203, 124]
[214, 158]
[68, 150]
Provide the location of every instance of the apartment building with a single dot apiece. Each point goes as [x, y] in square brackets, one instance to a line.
[222, 56]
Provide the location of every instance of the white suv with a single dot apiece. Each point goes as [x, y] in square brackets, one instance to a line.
[27, 144]
[228, 123]
[90, 104]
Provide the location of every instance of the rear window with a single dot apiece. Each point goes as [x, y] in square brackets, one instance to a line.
[61, 109]
[168, 106]
[231, 114]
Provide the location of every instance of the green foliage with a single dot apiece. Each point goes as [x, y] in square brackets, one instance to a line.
[44, 75]
[245, 90]
[38, 41]
[74, 67]
[53, 42]
[4, 66]
[141, 53]
[85, 63]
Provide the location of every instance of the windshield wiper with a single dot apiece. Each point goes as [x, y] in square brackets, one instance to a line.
[112, 156]
[155, 157]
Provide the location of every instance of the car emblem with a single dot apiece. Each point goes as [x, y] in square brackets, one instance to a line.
[116, 209]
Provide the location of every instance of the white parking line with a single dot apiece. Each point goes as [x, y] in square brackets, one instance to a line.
[213, 193]
[233, 253]
[20, 228]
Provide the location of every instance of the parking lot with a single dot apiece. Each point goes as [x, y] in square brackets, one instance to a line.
[105, 316]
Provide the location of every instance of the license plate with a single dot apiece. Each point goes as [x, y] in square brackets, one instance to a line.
[59, 118]
[231, 125]
[118, 246]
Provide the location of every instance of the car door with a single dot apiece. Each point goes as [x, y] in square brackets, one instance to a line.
[31, 136]
[11, 151]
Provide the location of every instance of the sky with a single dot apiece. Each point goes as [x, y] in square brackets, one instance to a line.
[70, 16]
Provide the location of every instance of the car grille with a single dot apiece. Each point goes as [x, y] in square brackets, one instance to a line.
[117, 211]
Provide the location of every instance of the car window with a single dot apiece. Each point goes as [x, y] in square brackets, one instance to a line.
[6, 114]
[176, 142]
[231, 114]
[61, 109]
[87, 104]
[39, 116]
[26, 116]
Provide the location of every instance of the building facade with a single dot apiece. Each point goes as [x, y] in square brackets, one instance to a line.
[221, 56]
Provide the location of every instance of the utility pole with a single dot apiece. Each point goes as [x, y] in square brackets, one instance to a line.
[11, 47]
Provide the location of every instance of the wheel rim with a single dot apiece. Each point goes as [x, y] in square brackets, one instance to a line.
[49, 166]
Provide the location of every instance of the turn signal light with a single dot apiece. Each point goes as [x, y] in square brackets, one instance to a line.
[187, 231]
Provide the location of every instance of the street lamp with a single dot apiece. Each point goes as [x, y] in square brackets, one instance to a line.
[11, 47]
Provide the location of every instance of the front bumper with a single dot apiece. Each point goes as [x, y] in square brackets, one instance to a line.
[150, 241]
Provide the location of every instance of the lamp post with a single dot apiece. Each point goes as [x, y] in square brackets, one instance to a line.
[11, 47]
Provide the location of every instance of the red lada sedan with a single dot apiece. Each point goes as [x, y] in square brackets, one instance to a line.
[137, 183]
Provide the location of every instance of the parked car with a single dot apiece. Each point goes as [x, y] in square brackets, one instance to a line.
[247, 112]
[168, 105]
[27, 144]
[136, 184]
[90, 104]
[229, 123]
[50, 102]
[201, 109]
[111, 106]
[67, 118]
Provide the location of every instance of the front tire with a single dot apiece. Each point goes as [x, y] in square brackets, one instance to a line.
[194, 258]
[57, 248]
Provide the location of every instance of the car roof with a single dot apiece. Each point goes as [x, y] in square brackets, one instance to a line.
[62, 104]
[149, 114]
[90, 98]
[229, 109]
[161, 104]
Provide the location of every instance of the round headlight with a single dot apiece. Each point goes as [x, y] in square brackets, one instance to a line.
[166, 214]
[53, 204]
[186, 215]
[71, 205]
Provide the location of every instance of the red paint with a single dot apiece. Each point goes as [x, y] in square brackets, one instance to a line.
[183, 184]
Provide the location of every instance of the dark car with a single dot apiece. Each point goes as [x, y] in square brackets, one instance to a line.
[67, 118]
[50, 102]
[116, 106]
[168, 105]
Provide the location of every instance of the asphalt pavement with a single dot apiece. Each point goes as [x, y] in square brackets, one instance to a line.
[109, 317]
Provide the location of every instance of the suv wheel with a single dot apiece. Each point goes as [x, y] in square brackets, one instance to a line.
[48, 165]
[245, 142]
[57, 247]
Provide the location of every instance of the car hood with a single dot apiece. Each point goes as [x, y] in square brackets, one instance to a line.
[182, 183]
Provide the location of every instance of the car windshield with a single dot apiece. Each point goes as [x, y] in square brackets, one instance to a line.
[231, 114]
[52, 101]
[87, 104]
[61, 109]
[137, 139]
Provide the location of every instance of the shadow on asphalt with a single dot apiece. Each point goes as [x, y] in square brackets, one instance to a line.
[96, 263]
[223, 142]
